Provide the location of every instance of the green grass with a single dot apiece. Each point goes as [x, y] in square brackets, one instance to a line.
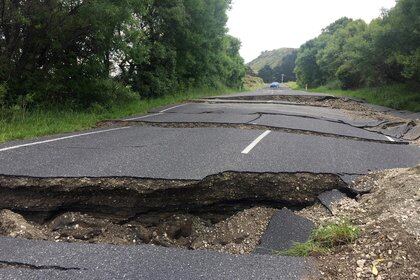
[305, 250]
[22, 125]
[398, 96]
[293, 85]
[323, 239]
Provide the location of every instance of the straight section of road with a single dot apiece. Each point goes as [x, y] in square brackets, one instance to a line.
[194, 153]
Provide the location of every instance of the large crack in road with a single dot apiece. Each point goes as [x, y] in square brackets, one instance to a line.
[180, 213]
[229, 211]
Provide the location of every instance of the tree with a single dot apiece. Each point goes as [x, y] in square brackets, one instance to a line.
[99, 51]
[307, 70]
[266, 73]
[355, 54]
[286, 68]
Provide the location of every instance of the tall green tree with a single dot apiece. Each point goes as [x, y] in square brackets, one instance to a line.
[81, 52]
[355, 54]
[266, 73]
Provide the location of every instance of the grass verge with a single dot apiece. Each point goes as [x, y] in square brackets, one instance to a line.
[293, 85]
[323, 239]
[398, 96]
[41, 122]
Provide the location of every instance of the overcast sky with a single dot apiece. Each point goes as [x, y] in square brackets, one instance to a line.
[271, 24]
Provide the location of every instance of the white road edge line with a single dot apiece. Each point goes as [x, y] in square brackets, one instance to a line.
[163, 111]
[157, 114]
[390, 139]
[61, 138]
[255, 142]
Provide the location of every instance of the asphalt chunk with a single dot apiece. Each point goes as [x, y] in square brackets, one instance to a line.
[284, 229]
[329, 197]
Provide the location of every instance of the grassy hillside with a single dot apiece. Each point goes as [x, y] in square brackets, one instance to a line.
[271, 58]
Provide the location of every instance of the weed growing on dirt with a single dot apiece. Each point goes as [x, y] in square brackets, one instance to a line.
[324, 238]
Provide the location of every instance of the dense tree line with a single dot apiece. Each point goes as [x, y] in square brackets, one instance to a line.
[351, 54]
[284, 70]
[81, 52]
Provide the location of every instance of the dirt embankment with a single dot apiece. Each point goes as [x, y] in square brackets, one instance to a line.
[389, 217]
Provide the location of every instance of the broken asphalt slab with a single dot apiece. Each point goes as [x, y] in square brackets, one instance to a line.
[328, 198]
[407, 130]
[300, 124]
[200, 118]
[397, 131]
[285, 229]
[98, 261]
[194, 153]
[320, 113]
[315, 125]
[123, 198]
[413, 134]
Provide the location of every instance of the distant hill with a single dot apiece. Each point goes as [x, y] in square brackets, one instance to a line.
[271, 58]
[276, 65]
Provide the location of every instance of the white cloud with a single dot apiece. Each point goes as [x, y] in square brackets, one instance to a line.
[271, 24]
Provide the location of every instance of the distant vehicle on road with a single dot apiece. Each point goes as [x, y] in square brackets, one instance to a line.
[275, 85]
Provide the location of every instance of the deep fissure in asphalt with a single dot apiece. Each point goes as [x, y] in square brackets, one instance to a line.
[194, 214]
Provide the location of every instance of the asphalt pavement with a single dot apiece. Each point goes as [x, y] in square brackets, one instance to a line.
[194, 153]
[192, 141]
[55, 261]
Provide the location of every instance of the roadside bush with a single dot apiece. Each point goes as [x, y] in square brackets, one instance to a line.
[348, 76]
[336, 84]
[104, 92]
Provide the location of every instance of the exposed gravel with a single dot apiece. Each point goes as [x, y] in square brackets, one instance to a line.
[237, 234]
[389, 217]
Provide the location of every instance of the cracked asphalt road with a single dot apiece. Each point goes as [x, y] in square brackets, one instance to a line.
[81, 261]
[194, 153]
[143, 151]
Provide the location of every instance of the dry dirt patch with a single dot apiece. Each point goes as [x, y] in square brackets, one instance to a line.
[389, 218]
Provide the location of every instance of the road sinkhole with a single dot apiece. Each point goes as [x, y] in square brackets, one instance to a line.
[226, 212]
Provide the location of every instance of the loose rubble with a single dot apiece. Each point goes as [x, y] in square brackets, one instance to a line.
[389, 219]
[237, 234]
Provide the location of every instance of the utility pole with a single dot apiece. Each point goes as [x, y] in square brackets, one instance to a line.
[282, 78]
